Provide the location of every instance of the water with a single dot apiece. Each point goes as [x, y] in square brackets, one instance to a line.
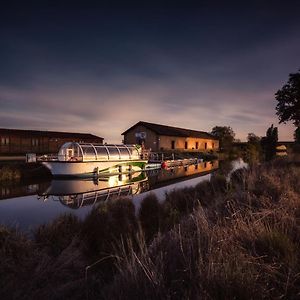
[26, 207]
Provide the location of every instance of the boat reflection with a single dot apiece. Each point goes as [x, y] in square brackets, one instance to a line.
[76, 193]
[79, 193]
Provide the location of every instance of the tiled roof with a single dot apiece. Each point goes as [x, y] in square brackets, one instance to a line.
[50, 134]
[172, 131]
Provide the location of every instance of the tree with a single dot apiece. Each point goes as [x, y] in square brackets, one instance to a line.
[269, 142]
[253, 138]
[225, 135]
[297, 135]
[254, 150]
[288, 106]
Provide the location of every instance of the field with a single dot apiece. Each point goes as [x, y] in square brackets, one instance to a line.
[222, 239]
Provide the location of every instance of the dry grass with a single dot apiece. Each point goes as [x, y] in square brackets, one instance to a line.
[9, 173]
[219, 240]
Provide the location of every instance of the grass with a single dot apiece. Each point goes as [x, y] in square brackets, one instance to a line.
[218, 240]
[22, 172]
[9, 173]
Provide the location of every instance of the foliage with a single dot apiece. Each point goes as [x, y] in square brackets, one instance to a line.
[225, 134]
[253, 138]
[297, 135]
[9, 174]
[269, 142]
[288, 106]
[254, 149]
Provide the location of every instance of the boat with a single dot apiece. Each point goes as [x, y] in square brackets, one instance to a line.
[180, 162]
[76, 193]
[87, 160]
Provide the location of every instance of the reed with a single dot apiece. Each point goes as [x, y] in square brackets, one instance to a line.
[219, 240]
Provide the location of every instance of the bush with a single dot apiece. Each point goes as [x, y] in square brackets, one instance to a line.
[57, 235]
[150, 216]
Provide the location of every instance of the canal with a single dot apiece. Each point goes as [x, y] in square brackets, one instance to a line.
[27, 206]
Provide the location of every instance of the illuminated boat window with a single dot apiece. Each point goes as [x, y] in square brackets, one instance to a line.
[102, 153]
[97, 152]
[124, 152]
[113, 152]
[134, 153]
[89, 152]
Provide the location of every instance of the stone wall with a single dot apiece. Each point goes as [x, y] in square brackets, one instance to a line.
[187, 144]
[150, 141]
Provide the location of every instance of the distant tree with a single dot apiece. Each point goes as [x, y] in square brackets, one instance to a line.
[225, 134]
[254, 150]
[269, 142]
[288, 106]
[297, 135]
[253, 138]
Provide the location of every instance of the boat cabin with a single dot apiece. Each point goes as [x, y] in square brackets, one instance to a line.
[83, 152]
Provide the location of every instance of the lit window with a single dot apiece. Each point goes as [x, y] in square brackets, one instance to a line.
[4, 141]
[35, 142]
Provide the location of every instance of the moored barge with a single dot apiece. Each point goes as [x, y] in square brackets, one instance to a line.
[87, 160]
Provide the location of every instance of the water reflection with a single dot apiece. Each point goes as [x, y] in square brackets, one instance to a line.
[79, 193]
[39, 203]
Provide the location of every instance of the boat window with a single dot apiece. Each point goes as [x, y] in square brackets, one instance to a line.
[124, 153]
[101, 153]
[134, 153]
[88, 153]
[69, 151]
[113, 152]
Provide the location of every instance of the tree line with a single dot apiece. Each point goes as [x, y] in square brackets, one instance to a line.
[287, 110]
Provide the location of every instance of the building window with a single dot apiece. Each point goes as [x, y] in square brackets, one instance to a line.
[34, 142]
[185, 145]
[172, 144]
[5, 141]
[197, 145]
[205, 145]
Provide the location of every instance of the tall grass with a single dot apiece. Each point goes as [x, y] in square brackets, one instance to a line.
[218, 240]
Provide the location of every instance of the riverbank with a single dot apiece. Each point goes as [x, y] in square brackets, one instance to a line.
[16, 172]
[237, 239]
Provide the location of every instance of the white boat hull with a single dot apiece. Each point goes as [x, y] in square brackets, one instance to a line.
[93, 168]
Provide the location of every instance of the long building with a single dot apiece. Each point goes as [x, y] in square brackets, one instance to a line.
[17, 141]
[166, 138]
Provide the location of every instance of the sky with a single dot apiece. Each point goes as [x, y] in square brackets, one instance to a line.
[100, 67]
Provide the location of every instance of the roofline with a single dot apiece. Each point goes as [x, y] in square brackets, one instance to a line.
[48, 132]
[145, 124]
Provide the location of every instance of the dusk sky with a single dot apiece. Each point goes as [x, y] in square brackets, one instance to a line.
[100, 68]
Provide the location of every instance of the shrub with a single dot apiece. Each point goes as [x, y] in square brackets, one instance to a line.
[57, 235]
[150, 216]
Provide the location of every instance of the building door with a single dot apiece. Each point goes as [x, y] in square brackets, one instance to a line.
[172, 144]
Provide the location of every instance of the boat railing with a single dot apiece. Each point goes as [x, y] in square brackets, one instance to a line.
[47, 157]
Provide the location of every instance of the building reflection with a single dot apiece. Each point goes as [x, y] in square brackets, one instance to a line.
[14, 191]
[78, 193]
[159, 178]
